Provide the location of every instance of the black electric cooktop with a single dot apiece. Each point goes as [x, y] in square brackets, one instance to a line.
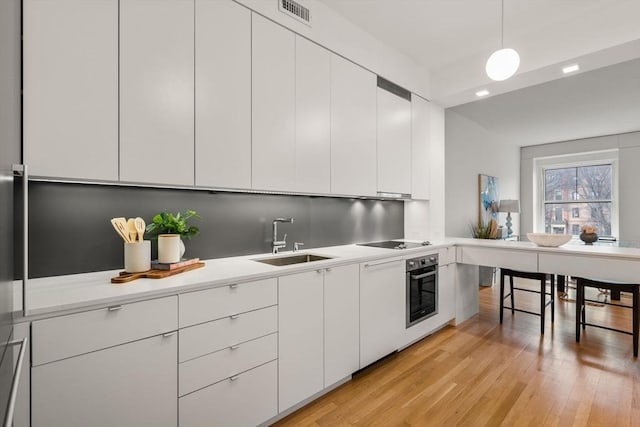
[392, 244]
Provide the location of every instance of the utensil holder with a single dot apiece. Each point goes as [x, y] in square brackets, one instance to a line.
[137, 256]
[168, 248]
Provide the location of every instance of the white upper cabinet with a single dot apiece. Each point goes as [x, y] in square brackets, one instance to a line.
[273, 106]
[313, 118]
[71, 88]
[394, 143]
[353, 129]
[420, 148]
[223, 94]
[156, 91]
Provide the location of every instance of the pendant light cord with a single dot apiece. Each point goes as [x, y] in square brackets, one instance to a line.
[502, 26]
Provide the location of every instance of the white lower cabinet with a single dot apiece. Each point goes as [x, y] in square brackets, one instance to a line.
[300, 337]
[446, 292]
[247, 399]
[382, 309]
[228, 372]
[133, 384]
[341, 323]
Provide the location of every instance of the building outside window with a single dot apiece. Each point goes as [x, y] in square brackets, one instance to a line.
[576, 196]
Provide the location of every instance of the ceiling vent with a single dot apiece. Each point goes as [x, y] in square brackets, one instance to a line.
[295, 10]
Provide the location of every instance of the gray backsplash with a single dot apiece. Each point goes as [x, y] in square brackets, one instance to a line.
[70, 230]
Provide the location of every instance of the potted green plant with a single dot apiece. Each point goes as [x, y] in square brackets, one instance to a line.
[169, 229]
[482, 230]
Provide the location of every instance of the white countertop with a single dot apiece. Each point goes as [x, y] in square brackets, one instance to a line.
[574, 247]
[60, 294]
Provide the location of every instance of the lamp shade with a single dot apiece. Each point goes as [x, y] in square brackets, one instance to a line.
[509, 205]
[502, 64]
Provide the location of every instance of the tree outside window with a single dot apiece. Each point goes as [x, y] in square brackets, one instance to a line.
[577, 196]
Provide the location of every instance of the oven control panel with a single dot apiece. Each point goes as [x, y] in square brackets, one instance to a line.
[426, 261]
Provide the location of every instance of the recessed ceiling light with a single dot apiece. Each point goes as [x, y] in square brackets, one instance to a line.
[570, 68]
[482, 92]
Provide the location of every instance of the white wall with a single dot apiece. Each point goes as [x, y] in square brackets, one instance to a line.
[334, 32]
[471, 150]
[628, 176]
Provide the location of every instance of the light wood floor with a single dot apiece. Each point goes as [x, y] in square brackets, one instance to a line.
[482, 373]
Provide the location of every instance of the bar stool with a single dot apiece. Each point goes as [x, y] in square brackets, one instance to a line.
[616, 287]
[542, 277]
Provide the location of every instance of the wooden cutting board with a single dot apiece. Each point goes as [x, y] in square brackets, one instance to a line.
[125, 277]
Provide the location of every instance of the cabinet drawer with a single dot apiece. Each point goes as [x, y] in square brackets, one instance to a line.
[248, 400]
[211, 368]
[211, 304]
[505, 258]
[212, 336]
[65, 336]
[447, 255]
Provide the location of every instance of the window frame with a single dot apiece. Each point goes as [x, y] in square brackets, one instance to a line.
[541, 164]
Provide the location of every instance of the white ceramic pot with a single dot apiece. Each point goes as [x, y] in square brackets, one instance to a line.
[137, 256]
[169, 248]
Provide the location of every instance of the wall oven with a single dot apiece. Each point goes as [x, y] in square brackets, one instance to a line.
[422, 288]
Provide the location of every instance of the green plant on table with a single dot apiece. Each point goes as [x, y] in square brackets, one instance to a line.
[169, 223]
[482, 230]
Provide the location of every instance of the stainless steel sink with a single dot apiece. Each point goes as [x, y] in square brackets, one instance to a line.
[292, 259]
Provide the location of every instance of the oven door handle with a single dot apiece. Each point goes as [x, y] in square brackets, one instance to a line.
[422, 276]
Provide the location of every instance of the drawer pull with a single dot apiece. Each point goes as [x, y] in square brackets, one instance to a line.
[233, 286]
[168, 334]
[234, 347]
[375, 264]
[318, 271]
[233, 378]
[234, 316]
[328, 270]
[115, 308]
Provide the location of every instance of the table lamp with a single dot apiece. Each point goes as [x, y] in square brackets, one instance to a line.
[508, 206]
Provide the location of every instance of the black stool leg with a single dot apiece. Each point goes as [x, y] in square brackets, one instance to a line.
[578, 308]
[615, 294]
[636, 307]
[543, 300]
[513, 302]
[561, 280]
[501, 294]
[583, 307]
[553, 297]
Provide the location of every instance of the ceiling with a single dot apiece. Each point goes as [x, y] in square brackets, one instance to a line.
[452, 40]
[605, 101]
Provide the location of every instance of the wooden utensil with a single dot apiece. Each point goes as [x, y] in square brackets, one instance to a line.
[131, 230]
[140, 228]
[120, 227]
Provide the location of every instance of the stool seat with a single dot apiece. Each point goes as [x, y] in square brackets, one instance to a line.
[542, 277]
[617, 287]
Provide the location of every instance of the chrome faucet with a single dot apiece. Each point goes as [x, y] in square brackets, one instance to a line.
[278, 244]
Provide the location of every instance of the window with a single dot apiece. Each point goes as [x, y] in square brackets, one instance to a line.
[577, 196]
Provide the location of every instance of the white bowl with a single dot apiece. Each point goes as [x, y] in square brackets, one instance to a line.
[549, 239]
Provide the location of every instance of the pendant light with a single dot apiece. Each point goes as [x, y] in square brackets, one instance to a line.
[502, 63]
